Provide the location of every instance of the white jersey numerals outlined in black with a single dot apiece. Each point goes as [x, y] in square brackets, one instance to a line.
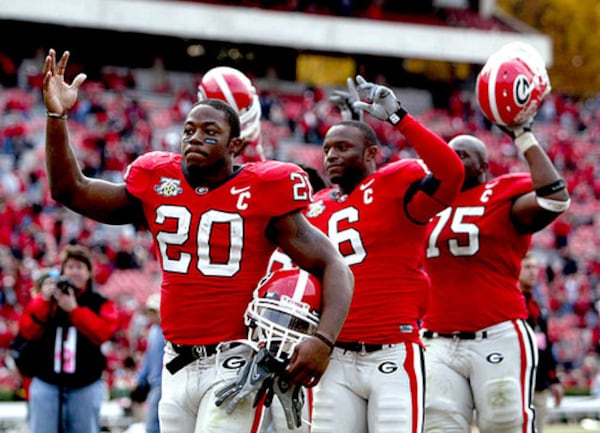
[301, 191]
[458, 226]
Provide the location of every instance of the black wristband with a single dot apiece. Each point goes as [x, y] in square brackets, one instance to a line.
[397, 117]
[38, 321]
[325, 340]
[550, 189]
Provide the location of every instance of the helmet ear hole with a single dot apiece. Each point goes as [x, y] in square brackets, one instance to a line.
[284, 311]
[512, 84]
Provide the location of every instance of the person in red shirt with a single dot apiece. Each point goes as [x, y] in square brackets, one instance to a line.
[215, 224]
[377, 218]
[43, 278]
[480, 352]
[68, 322]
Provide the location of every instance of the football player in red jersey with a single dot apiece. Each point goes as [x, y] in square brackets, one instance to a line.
[480, 353]
[378, 218]
[234, 87]
[215, 225]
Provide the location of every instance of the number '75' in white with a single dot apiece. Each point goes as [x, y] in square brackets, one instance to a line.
[458, 226]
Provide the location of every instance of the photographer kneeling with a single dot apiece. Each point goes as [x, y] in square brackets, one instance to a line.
[69, 322]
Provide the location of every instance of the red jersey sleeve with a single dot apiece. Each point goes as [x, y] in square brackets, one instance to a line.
[444, 164]
[139, 174]
[97, 327]
[286, 187]
[31, 323]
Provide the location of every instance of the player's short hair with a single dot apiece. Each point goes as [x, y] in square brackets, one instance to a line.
[367, 132]
[232, 117]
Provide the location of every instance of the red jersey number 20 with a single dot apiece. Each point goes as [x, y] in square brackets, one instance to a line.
[301, 191]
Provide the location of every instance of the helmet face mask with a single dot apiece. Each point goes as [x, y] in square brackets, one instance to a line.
[512, 85]
[284, 311]
[232, 86]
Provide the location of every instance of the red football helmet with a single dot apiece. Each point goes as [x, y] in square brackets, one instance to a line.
[284, 311]
[235, 88]
[512, 85]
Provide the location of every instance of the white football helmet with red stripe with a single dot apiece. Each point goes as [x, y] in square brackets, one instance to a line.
[232, 86]
[284, 311]
[512, 85]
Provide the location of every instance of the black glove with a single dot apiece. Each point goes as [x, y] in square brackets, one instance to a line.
[139, 394]
[345, 99]
[517, 131]
[289, 395]
[384, 105]
[521, 134]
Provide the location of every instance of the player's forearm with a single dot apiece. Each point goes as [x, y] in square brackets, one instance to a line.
[98, 199]
[64, 173]
[338, 285]
[441, 159]
[543, 172]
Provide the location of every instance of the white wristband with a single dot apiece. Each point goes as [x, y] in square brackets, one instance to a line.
[551, 205]
[525, 141]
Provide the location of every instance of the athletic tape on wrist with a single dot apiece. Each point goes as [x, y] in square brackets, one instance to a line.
[56, 115]
[525, 141]
[556, 206]
[396, 117]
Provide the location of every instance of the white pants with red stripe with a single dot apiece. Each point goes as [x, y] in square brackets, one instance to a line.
[493, 376]
[187, 404]
[377, 392]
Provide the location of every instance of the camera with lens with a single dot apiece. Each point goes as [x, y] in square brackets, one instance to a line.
[64, 284]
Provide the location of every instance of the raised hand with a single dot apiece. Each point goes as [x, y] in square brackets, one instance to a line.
[521, 134]
[345, 99]
[59, 96]
[518, 130]
[382, 102]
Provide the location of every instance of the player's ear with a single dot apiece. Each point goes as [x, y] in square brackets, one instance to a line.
[371, 153]
[236, 145]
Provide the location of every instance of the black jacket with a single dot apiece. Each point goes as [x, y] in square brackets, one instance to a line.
[89, 359]
[546, 371]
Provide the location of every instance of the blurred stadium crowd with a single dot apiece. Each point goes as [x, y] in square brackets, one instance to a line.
[118, 117]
